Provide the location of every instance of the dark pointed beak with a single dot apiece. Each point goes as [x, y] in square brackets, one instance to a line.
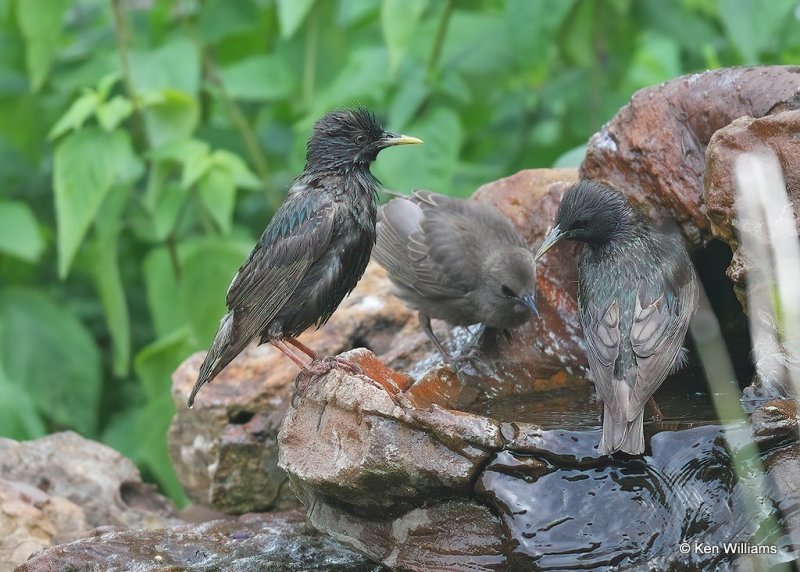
[552, 238]
[392, 139]
[530, 302]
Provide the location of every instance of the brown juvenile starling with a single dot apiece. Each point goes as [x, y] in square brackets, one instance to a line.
[455, 260]
[314, 250]
[637, 292]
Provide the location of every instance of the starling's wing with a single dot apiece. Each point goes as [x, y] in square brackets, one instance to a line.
[660, 321]
[402, 249]
[457, 237]
[296, 236]
[602, 336]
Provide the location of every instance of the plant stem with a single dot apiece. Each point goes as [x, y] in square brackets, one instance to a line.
[438, 42]
[121, 33]
[310, 58]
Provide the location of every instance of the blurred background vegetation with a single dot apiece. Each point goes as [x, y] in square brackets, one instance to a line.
[145, 143]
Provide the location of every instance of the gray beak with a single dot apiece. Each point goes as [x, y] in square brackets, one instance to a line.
[392, 139]
[529, 300]
[552, 238]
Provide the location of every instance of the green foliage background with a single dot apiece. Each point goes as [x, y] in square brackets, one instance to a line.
[144, 144]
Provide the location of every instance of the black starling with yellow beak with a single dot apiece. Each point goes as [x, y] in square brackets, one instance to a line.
[314, 250]
[637, 292]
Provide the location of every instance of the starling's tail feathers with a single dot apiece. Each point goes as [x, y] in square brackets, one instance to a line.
[621, 435]
[224, 348]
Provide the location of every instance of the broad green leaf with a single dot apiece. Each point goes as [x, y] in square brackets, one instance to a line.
[87, 164]
[477, 43]
[207, 273]
[399, 20]
[220, 19]
[152, 425]
[19, 231]
[750, 25]
[258, 78]
[365, 76]
[291, 14]
[170, 116]
[242, 175]
[111, 113]
[534, 26]
[81, 109]
[155, 362]
[161, 288]
[657, 59]
[352, 12]
[107, 279]
[217, 189]
[18, 416]
[175, 66]
[40, 22]
[427, 166]
[408, 99]
[47, 351]
[572, 158]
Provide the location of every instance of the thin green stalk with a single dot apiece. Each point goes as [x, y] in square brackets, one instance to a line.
[121, 33]
[438, 42]
[310, 58]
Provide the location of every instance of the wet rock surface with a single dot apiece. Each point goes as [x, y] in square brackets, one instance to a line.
[280, 542]
[654, 148]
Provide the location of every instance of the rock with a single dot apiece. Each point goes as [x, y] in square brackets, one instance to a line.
[279, 542]
[59, 487]
[105, 485]
[654, 148]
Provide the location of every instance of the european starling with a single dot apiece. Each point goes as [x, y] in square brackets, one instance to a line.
[637, 291]
[315, 248]
[456, 260]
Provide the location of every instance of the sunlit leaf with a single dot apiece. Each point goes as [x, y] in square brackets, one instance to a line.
[19, 231]
[291, 14]
[171, 116]
[80, 110]
[242, 175]
[111, 113]
[40, 22]
[86, 165]
[47, 351]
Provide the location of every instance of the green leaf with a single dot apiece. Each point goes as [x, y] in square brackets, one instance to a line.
[399, 21]
[258, 78]
[174, 66]
[76, 115]
[242, 175]
[750, 24]
[365, 76]
[161, 287]
[87, 164]
[656, 59]
[220, 19]
[19, 231]
[217, 190]
[477, 43]
[155, 362]
[152, 426]
[409, 98]
[40, 22]
[107, 279]
[352, 12]
[18, 416]
[170, 116]
[291, 14]
[534, 26]
[111, 113]
[47, 351]
[207, 273]
[428, 166]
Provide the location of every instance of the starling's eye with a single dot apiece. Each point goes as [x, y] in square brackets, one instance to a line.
[508, 291]
[361, 138]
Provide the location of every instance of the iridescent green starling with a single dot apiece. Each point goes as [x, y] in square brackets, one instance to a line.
[637, 292]
[314, 250]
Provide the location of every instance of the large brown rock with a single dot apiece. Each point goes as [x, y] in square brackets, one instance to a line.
[654, 148]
